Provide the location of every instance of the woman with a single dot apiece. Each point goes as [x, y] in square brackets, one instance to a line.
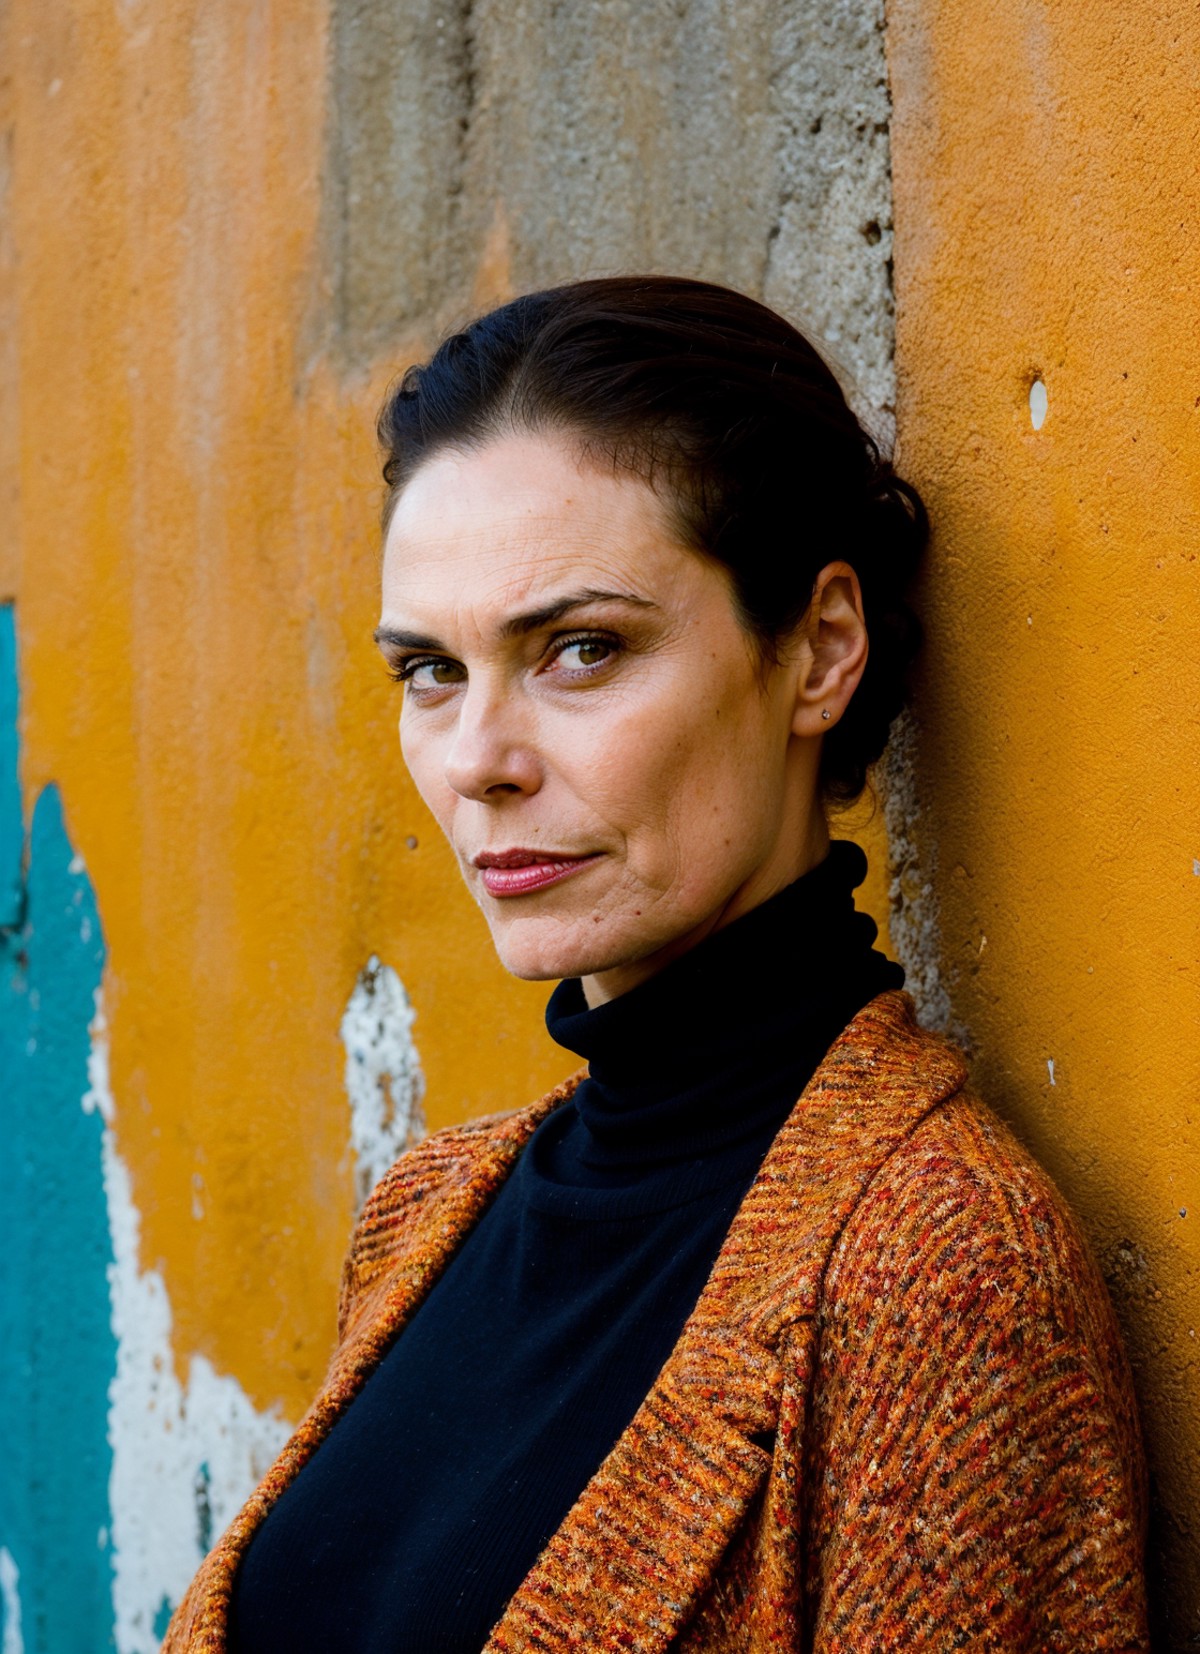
[759, 1332]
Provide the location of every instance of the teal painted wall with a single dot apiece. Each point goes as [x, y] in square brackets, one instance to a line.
[55, 1250]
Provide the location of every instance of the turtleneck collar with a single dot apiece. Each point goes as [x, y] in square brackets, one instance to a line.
[716, 1047]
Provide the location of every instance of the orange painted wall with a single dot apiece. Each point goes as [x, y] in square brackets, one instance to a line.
[1047, 207]
[196, 588]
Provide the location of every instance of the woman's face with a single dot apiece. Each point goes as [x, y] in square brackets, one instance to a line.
[586, 717]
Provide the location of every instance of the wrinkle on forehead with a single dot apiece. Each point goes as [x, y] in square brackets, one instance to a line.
[517, 524]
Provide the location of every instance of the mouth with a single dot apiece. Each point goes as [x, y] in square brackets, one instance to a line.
[518, 872]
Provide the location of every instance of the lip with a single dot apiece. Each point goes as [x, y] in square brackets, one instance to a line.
[518, 872]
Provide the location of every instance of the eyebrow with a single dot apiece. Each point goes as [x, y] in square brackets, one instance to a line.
[520, 625]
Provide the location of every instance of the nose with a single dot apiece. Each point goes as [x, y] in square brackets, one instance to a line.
[492, 753]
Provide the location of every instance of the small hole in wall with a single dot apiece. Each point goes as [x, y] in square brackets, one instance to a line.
[1038, 403]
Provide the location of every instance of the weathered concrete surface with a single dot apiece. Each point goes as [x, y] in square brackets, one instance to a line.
[223, 227]
[741, 140]
[1048, 210]
[831, 252]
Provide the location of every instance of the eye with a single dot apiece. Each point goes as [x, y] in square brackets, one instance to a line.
[423, 673]
[582, 654]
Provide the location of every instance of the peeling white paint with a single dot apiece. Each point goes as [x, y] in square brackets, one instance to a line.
[1050, 1066]
[10, 1600]
[185, 1456]
[384, 1082]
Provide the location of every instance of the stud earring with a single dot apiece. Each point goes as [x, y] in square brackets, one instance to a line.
[824, 712]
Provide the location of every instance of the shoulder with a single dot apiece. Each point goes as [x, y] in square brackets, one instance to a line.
[961, 1228]
[442, 1183]
[446, 1159]
[961, 1194]
[436, 1166]
[972, 1427]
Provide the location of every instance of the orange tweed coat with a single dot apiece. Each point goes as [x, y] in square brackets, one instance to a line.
[899, 1416]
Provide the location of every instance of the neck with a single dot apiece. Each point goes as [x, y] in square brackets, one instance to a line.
[712, 1047]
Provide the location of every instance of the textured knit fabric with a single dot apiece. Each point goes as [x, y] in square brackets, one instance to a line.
[898, 1417]
[433, 1496]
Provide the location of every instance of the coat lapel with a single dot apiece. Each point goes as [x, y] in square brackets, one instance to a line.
[641, 1544]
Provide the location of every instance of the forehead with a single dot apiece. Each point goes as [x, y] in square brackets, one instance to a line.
[517, 520]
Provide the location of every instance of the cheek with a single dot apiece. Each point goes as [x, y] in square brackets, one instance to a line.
[681, 779]
[724, 792]
[423, 762]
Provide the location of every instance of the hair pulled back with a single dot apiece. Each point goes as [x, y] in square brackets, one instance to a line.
[732, 415]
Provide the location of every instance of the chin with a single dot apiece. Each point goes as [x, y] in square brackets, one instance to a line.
[553, 955]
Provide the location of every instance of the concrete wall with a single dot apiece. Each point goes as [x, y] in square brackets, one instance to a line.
[239, 973]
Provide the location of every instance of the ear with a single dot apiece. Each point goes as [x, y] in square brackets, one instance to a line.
[833, 650]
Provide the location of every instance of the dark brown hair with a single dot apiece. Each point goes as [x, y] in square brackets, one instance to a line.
[727, 409]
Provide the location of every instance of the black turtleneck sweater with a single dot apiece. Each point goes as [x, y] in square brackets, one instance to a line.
[429, 1501]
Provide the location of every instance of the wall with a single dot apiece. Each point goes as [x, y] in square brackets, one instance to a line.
[239, 972]
[1048, 215]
